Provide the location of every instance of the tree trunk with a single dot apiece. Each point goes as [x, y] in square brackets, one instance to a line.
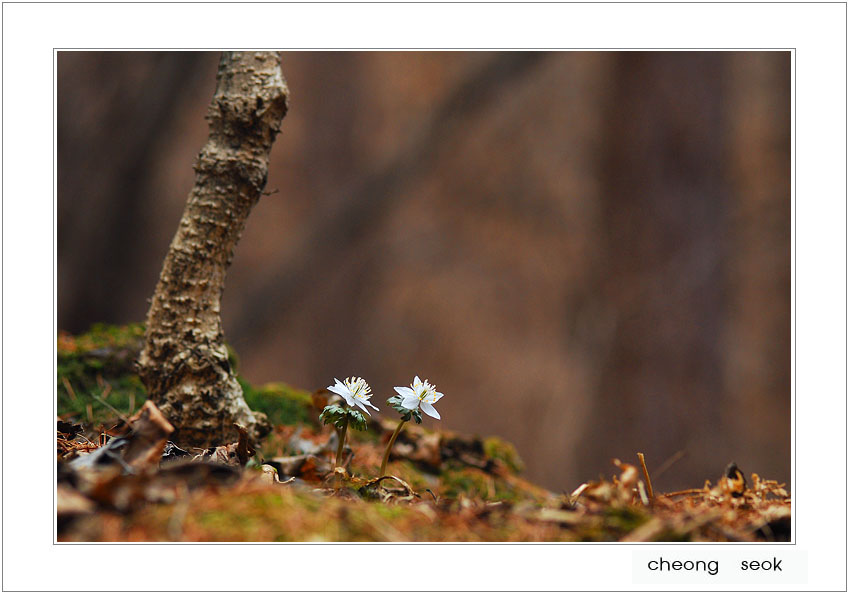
[663, 209]
[184, 363]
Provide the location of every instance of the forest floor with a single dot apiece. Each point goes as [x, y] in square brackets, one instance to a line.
[119, 479]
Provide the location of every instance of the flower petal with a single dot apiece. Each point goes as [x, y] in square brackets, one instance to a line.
[436, 397]
[342, 389]
[368, 403]
[360, 404]
[405, 392]
[411, 402]
[337, 389]
[430, 410]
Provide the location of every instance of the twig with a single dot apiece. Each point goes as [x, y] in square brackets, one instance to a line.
[688, 492]
[69, 389]
[407, 487]
[646, 474]
[110, 406]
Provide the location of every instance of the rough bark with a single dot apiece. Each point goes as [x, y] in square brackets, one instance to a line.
[184, 363]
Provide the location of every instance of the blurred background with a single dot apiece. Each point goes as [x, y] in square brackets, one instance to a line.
[587, 252]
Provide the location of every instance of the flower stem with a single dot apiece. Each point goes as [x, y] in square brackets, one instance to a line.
[342, 432]
[389, 447]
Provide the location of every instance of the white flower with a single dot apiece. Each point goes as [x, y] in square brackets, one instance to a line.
[354, 390]
[422, 393]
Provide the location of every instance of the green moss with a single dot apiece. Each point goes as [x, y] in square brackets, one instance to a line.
[99, 365]
[474, 483]
[233, 359]
[367, 492]
[625, 518]
[390, 512]
[102, 335]
[495, 448]
[101, 361]
[244, 518]
[282, 403]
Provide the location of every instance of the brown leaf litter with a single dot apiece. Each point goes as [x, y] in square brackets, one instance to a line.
[441, 486]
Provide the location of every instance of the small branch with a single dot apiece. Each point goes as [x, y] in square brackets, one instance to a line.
[646, 474]
[407, 487]
[687, 492]
[69, 389]
[111, 407]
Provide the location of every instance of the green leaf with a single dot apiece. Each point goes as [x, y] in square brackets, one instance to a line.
[334, 414]
[339, 416]
[357, 419]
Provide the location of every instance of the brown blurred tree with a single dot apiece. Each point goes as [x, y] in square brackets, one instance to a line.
[663, 206]
[184, 364]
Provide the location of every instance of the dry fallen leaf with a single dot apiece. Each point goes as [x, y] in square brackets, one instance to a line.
[149, 434]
